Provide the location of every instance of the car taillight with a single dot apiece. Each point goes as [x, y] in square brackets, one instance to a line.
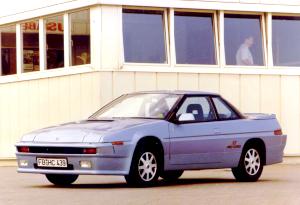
[23, 149]
[278, 132]
[89, 151]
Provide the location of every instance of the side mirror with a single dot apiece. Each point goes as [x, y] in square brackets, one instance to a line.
[186, 117]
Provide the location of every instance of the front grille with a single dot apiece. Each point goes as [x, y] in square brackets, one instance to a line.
[56, 150]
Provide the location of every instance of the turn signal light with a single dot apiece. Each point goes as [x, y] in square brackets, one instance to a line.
[278, 132]
[23, 149]
[89, 151]
[117, 143]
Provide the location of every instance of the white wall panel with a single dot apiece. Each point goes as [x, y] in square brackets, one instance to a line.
[29, 105]
[145, 81]
[290, 110]
[188, 81]
[167, 81]
[270, 98]
[230, 88]
[250, 93]
[123, 83]
[209, 82]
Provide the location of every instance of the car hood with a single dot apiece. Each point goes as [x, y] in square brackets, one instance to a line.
[82, 131]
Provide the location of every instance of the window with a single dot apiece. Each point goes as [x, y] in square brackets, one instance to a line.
[138, 106]
[30, 32]
[194, 38]
[144, 36]
[224, 111]
[286, 37]
[8, 50]
[55, 42]
[199, 107]
[243, 40]
[80, 37]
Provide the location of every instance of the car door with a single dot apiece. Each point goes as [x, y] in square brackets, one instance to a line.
[194, 136]
[231, 131]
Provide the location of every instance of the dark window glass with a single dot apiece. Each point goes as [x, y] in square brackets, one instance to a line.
[8, 50]
[80, 37]
[223, 110]
[144, 36]
[30, 32]
[194, 38]
[286, 38]
[243, 40]
[55, 42]
[196, 109]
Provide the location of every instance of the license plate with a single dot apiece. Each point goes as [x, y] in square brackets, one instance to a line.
[52, 162]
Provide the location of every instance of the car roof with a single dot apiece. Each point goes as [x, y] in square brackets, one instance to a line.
[178, 92]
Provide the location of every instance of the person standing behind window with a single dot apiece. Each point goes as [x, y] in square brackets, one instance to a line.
[243, 54]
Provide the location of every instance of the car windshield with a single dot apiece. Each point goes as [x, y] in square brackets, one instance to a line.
[155, 106]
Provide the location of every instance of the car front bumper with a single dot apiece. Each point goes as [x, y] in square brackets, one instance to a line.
[109, 160]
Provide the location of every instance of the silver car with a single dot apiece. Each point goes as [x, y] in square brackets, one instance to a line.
[145, 135]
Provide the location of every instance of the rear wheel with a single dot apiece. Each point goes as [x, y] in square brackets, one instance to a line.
[250, 166]
[145, 167]
[172, 175]
[61, 179]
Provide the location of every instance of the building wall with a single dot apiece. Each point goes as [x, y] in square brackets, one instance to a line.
[36, 100]
[29, 105]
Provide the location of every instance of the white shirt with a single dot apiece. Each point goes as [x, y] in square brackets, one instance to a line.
[244, 54]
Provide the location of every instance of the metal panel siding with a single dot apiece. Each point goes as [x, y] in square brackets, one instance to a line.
[167, 81]
[145, 81]
[290, 110]
[209, 82]
[123, 83]
[188, 81]
[230, 88]
[250, 89]
[270, 96]
[30, 105]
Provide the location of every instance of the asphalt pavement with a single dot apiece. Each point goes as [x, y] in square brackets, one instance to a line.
[279, 184]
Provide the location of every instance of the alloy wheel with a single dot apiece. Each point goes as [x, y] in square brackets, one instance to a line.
[147, 166]
[252, 162]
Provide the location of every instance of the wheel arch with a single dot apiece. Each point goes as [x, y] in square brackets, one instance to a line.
[152, 141]
[260, 144]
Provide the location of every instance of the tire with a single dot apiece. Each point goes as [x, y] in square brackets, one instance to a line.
[171, 176]
[250, 166]
[61, 179]
[145, 167]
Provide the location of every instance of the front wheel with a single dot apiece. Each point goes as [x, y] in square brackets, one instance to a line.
[250, 166]
[61, 179]
[145, 166]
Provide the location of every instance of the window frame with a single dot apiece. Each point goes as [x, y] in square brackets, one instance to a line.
[17, 70]
[215, 29]
[270, 32]
[69, 34]
[166, 38]
[66, 34]
[263, 36]
[173, 119]
[229, 106]
[21, 47]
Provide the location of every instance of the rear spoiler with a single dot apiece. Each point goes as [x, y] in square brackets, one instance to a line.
[259, 116]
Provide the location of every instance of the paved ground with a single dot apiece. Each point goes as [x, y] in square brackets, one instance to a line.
[280, 184]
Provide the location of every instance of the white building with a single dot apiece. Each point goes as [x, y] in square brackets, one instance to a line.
[62, 59]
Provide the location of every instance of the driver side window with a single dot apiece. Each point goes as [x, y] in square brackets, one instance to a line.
[196, 109]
